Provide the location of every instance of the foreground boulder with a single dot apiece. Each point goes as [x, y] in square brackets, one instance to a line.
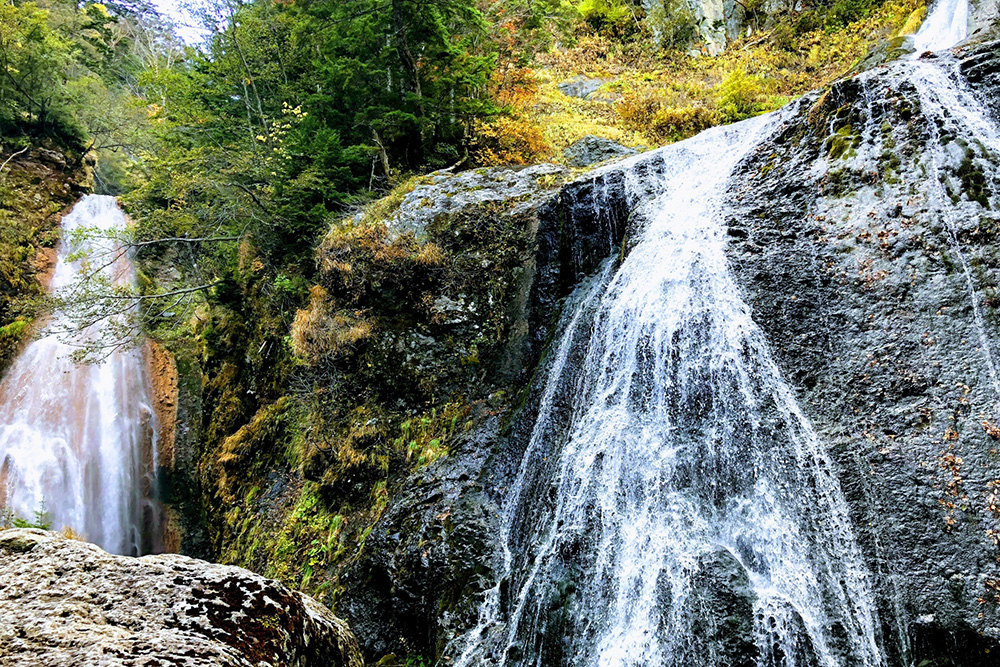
[67, 602]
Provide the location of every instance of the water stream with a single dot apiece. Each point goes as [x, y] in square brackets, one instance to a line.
[78, 441]
[673, 495]
[947, 24]
[952, 108]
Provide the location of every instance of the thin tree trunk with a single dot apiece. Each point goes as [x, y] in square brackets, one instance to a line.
[382, 153]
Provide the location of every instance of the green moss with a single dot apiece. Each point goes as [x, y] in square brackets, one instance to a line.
[31, 195]
[889, 163]
[974, 183]
[301, 454]
[843, 144]
[11, 337]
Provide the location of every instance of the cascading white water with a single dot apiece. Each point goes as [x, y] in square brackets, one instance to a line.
[79, 440]
[947, 24]
[952, 107]
[669, 453]
[683, 443]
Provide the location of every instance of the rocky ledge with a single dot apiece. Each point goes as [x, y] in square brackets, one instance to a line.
[66, 602]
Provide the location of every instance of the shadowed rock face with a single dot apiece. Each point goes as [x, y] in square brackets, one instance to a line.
[418, 583]
[67, 602]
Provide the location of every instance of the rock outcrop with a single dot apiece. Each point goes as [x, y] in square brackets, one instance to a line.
[864, 235]
[879, 298]
[418, 582]
[581, 87]
[591, 150]
[67, 602]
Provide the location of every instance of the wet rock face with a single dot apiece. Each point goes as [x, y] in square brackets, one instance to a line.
[419, 581]
[864, 235]
[66, 602]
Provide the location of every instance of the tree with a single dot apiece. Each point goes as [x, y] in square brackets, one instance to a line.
[33, 61]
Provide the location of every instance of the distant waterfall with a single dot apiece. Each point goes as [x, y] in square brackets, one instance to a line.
[79, 440]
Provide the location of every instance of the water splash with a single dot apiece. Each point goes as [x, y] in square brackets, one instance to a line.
[79, 440]
[945, 26]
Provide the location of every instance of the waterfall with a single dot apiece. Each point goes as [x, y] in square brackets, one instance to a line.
[954, 110]
[947, 24]
[683, 452]
[673, 504]
[79, 440]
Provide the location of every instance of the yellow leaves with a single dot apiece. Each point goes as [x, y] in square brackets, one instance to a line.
[509, 141]
[651, 112]
[667, 96]
[295, 112]
[913, 21]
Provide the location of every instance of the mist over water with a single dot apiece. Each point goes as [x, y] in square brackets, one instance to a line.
[79, 440]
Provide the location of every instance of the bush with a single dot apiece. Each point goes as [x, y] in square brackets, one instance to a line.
[11, 336]
[509, 141]
[648, 113]
[672, 21]
[743, 95]
[677, 123]
[845, 12]
[319, 332]
[614, 18]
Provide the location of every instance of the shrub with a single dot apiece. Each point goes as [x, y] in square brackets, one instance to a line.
[672, 21]
[509, 141]
[319, 332]
[649, 113]
[742, 95]
[677, 123]
[615, 18]
[845, 12]
[11, 336]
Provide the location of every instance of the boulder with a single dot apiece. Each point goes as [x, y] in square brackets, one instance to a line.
[591, 150]
[581, 86]
[442, 196]
[66, 602]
